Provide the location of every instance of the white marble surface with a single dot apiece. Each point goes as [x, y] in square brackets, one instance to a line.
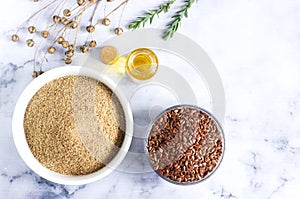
[255, 44]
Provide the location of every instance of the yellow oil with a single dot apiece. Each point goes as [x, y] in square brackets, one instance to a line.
[119, 65]
[142, 64]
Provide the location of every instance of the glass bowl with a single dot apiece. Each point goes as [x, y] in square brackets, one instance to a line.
[177, 156]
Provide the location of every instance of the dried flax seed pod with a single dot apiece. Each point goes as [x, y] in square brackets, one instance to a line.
[15, 38]
[90, 28]
[93, 43]
[74, 24]
[45, 34]
[105, 21]
[51, 50]
[60, 39]
[31, 29]
[69, 53]
[40, 72]
[56, 19]
[80, 2]
[84, 48]
[118, 31]
[30, 42]
[67, 12]
[65, 44]
[34, 74]
[64, 21]
[72, 47]
[68, 60]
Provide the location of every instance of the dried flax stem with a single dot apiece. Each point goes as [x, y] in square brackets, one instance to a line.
[104, 9]
[112, 11]
[35, 55]
[61, 31]
[60, 4]
[94, 12]
[43, 8]
[77, 29]
[73, 9]
[122, 12]
[84, 8]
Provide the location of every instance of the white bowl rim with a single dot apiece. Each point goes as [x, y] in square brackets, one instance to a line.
[19, 134]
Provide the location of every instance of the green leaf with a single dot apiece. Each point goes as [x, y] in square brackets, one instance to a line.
[176, 16]
[173, 25]
[186, 14]
[132, 26]
[149, 15]
[151, 19]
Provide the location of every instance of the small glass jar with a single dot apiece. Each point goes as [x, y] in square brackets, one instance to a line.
[142, 64]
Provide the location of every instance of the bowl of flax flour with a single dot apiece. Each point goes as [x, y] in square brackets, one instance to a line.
[72, 125]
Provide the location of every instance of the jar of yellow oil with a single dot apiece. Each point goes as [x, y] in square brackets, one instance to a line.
[142, 64]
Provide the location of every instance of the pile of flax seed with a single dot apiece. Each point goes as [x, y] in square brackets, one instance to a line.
[185, 144]
[74, 125]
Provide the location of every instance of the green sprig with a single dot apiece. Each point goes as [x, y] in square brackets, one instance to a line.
[149, 16]
[172, 27]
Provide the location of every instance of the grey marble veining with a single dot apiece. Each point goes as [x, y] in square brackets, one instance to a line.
[254, 44]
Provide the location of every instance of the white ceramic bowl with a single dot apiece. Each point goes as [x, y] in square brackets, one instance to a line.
[19, 134]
